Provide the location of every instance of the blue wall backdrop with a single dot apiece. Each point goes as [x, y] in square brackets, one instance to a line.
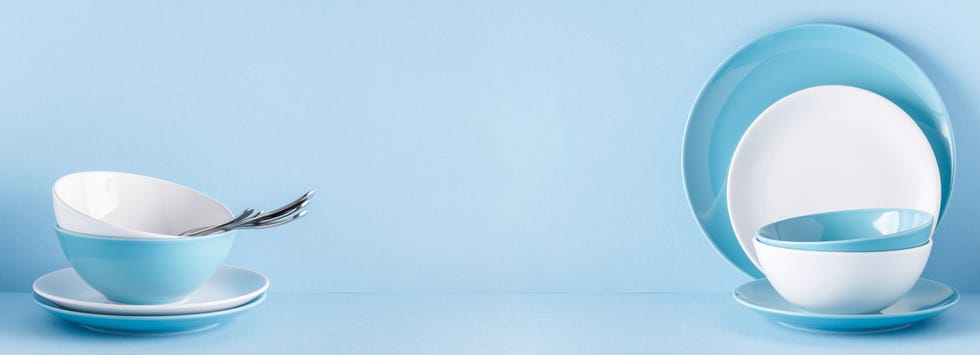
[457, 147]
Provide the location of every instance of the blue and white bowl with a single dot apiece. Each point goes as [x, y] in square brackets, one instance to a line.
[836, 282]
[145, 270]
[117, 204]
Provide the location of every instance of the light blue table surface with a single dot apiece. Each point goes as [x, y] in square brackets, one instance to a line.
[682, 323]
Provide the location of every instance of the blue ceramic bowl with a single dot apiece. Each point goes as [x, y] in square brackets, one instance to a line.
[861, 230]
[145, 270]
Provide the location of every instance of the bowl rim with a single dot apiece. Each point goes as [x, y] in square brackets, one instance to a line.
[912, 249]
[174, 239]
[855, 244]
[137, 234]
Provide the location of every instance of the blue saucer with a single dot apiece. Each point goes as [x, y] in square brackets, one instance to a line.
[147, 325]
[927, 299]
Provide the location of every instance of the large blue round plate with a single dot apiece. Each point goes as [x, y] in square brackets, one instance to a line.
[926, 299]
[776, 65]
[147, 325]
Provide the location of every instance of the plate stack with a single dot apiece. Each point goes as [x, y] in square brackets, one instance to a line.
[820, 157]
[131, 270]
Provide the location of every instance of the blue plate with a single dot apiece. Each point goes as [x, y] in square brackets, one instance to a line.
[776, 65]
[147, 325]
[926, 299]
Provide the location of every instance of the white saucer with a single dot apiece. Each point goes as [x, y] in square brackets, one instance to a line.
[229, 287]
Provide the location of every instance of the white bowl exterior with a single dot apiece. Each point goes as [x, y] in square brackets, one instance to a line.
[824, 149]
[842, 282]
[118, 204]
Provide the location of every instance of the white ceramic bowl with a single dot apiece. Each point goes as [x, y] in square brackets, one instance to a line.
[114, 204]
[842, 282]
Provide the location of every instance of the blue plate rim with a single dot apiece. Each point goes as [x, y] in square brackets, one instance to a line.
[941, 306]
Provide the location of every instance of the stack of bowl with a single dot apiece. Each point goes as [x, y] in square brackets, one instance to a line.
[846, 262]
[120, 233]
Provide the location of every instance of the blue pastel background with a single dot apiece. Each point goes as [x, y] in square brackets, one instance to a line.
[457, 147]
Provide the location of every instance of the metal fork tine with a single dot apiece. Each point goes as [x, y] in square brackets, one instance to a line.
[250, 220]
[279, 215]
[274, 224]
[208, 230]
[308, 195]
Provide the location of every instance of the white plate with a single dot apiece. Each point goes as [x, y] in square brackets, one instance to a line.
[829, 148]
[229, 287]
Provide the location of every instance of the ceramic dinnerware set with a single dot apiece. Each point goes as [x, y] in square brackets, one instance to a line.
[131, 271]
[819, 160]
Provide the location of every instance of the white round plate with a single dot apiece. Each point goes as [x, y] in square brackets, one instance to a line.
[829, 148]
[229, 287]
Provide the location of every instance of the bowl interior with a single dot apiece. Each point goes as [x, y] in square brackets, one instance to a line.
[847, 225]
[138, 202]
